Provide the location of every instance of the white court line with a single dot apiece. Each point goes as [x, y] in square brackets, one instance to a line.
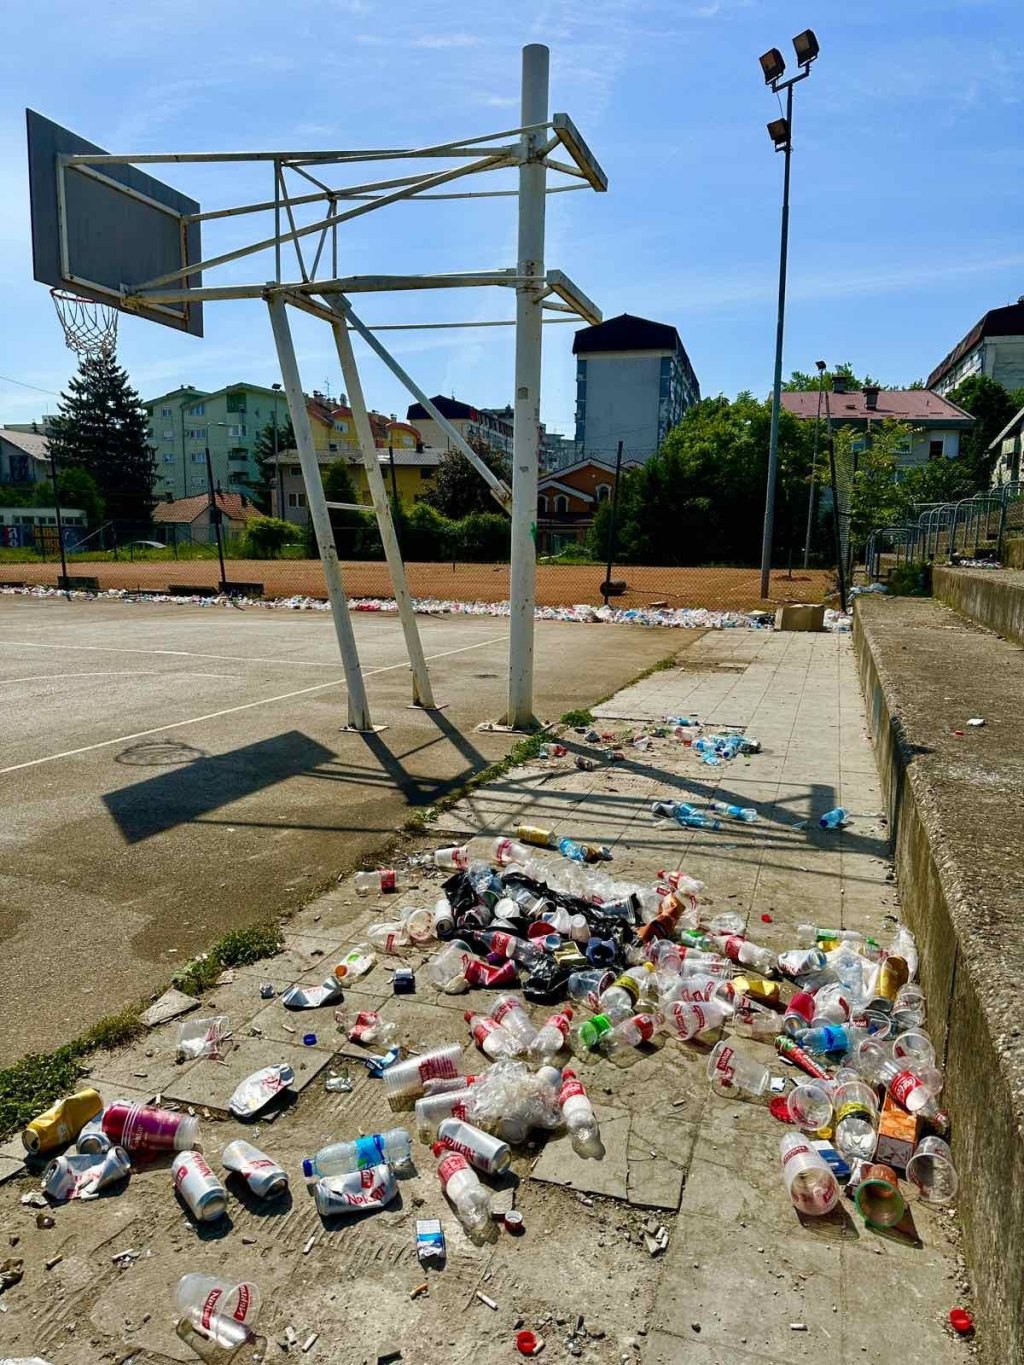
[117, 673]
[230, 710]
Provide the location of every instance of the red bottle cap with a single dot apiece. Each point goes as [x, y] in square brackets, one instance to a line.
[526, 1343]
[513, 1221]
[961, 1321]
[438, 1148]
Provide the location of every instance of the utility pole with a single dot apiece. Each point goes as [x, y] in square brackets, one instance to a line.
[60, 523]
[820, 364]
[611, 524]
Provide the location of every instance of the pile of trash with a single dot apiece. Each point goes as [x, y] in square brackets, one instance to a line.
[827, 1035]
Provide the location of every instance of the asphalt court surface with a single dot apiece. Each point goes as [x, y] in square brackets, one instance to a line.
[168, 773]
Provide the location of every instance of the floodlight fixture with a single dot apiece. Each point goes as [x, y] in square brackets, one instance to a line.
[773, 65]
[820, 366]
[778, 131]
[805, 45]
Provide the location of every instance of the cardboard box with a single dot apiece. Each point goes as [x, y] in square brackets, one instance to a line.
[898, 1134]
[800, 616]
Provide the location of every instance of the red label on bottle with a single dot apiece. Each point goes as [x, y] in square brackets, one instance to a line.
[389, 943]
[903, 1085]
[570, 1089]
[795, 1151]
[387, 880]
[561, 1022]
[450, 1165]
[732, 945]
[437, 1068]
[483, 1028]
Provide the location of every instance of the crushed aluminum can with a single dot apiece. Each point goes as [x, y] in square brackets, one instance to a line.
[83, 1175]
[257, 1090]
[265, 1177]
[92, 1139]
[312, 997]
[356, 1192]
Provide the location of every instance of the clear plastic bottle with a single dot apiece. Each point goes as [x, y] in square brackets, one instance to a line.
[589, 1032]
[856, 1125]
[489, 1036]
[632, 1032]
[810, 1184]
[356, 962]
[339, 1158]
[553, 1036]
[222, 1312]
[748, 954]
[508, 1011]
[837, 1038]
[504, 851]
[619, 1000]
[833, 819]
[809, 934]
[745, 813]
[383, 879]
[463, 1190]
[577, 1111]
[389, 936]
[509, 945]
[910, 1091]
[455, 857]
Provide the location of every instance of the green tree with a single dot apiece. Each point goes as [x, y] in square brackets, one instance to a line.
[878, 497]
[269, 439]
[266, 537]
[992, 407]
[801, 380]
[101, 427]
[77, 488]
[458, 489]
[350, 528]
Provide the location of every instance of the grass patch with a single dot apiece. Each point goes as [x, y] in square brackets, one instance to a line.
[578, 718]
[238, 948]
[115, 1030]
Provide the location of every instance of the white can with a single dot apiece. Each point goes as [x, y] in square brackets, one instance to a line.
[486, 1153]
[83, 1175]
[265, 1178]
[199, 1187]
[357, 1192]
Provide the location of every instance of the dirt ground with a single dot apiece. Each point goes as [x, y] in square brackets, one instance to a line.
[558, 585]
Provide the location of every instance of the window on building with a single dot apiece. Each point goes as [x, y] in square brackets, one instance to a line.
[332, 446]
[196, 433]
[168, 457]
[936, 449]
[426, 472]
[295, 470]
[235, 402]
[603, 492]
[561, 505]
[199, 457]
[542, 504]
[238, 433]
[296, 499]
[168, 435]
[341, 426]
[166, 412]
[199, 410]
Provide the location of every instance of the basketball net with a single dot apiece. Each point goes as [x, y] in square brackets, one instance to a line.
[90, 328]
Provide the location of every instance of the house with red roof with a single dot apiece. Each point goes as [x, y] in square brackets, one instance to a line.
[937, 423]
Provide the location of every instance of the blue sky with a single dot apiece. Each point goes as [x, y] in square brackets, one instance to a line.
[908, 188]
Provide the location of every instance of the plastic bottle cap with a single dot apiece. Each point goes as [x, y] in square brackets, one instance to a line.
[309, 1039]
[526, 1343]
[961, 1321]
[514, 1221]
[438, 1148]
[307, 1168]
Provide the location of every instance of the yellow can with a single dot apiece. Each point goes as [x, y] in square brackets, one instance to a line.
[533, 834]
[757, 989]
[893, 974]
[62, 1122]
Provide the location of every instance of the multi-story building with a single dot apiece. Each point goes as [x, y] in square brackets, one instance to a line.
[994, 346]
[185, 423]
[24, 456]
[409, 472]
[634, 381]
[936, 423]
[490, 427]
[567, 499]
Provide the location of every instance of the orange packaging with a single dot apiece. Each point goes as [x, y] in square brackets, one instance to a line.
[898, 1134]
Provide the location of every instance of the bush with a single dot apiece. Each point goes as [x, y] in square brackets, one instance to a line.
[265, 537]
[427, 535]
[483, 537]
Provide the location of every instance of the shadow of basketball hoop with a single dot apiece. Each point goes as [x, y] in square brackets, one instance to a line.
[159, 753]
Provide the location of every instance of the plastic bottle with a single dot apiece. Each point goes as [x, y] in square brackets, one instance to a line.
[224, 1313]
[486, 1153]
[583, 853]
[589, 1032]
[463, 1190]
[810, 1184]
[686, 815]
[141, 1130]
[454, 857]
[339, 1158]
[748, 954]
[504, 851]
[508, 1011]
[489, 1036]
[620, 998]
[632, 1032]
[797, 962]
[356, 962]
[577, 1111]
[406, 1078]
[383, 879]
[856, 1126]
[389, 936]
[62, 1122]
[264, 1176]
[553, 1036]
[509, 945]
[745, 813]
[809, 934]
[687, 1020]
[833, 819]
[828, 1038]
[910, 1091]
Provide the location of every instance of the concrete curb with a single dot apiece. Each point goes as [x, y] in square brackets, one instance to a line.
[966, 917]
[992, 597]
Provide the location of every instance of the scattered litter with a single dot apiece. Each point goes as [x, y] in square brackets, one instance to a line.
[11, 1271]
[310, 1342]
[204, 1037]
[976, 720]
[257, 1090]
[485, 1300]
[430, 1241]
[961, 1321]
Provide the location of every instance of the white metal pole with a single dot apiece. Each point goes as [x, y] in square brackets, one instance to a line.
[526, 436]
[358, 709]
[422, 694]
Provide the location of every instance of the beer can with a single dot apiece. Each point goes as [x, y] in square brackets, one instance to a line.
[199, 1187]
[83, 1175]
[486, 1153]
[357, 1192]
[265, 1177]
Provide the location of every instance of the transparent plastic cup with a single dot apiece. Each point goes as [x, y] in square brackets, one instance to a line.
[731, 1073]
[407, 1078]
[915, 1048]
[908, 1009]
[879, 1199]
[931, 1171]
[221, 1311]
[810, 1106]
[810, 1184]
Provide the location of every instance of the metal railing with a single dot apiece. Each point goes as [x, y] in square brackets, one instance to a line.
[949, 528]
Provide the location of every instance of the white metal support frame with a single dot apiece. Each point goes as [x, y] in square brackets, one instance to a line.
[358, 707]
[422, 695]
[526, 430]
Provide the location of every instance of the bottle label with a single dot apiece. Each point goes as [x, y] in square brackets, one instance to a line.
[855, 1110]
[503, 850]
[560, 1022]
[504, 1009]
[387, 880]
[794, 1151]
[570, 1089]
[370, 1151]
[502, 943]
[392, 939]
[903, 1085]
[732, 946]
[450, 1166]
[437, 1068]
[627, 984]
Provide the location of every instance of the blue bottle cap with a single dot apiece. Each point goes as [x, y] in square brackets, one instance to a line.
[307, 1167]
[309, 1039]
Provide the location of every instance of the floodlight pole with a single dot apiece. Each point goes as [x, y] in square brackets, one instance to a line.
[358, 707]
[422, 694]
[526, 429]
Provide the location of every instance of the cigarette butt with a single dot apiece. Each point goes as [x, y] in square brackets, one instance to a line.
[484, 1299]
[310, 1341]
[420, 1289]
[309, 1245]
[56, 1260]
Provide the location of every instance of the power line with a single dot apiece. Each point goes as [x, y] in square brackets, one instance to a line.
[22, 385]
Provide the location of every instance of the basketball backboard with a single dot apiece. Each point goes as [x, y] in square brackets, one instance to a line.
[99, 228]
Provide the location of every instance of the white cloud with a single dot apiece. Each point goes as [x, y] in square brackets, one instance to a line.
[445, 40]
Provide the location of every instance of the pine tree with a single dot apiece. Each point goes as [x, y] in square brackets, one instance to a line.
[268, 442]
[101, 427]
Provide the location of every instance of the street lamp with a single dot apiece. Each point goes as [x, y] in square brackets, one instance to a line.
[820, 364]
[780, 130]
[277, 467]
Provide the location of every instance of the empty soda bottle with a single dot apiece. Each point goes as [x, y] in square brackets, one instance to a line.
[508, 1011]
[463, 1190]
[620, 998]
[833, 819]
[589, 1032]
[744, 952]
[745, 813]
[553, 1036]
[489, 1036]
[910, 1091]
[577, 1112]
[509, 945]
[632, 1032]
[504, 851]
[385, 879]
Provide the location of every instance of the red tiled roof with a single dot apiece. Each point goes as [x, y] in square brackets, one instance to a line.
[902, 405]
[185, 510]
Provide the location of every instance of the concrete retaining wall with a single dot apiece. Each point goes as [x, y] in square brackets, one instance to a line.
[960, 886]
[992, 597]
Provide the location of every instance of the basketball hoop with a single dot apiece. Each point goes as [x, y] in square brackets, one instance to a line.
[90, 328]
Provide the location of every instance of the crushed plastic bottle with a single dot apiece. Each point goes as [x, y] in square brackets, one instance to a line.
[745, 813]
[833, 819]
[508, 1011]
[463, 1190]
[553, 1036]
[383, 880]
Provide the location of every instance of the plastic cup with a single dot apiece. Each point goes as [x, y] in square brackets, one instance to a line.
[879, 1199]
[908, 1009]
[731, 1073]
[810, 1106]
[932, 1172]
[810, 1184]
[407, 1078]
[915, 1048]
